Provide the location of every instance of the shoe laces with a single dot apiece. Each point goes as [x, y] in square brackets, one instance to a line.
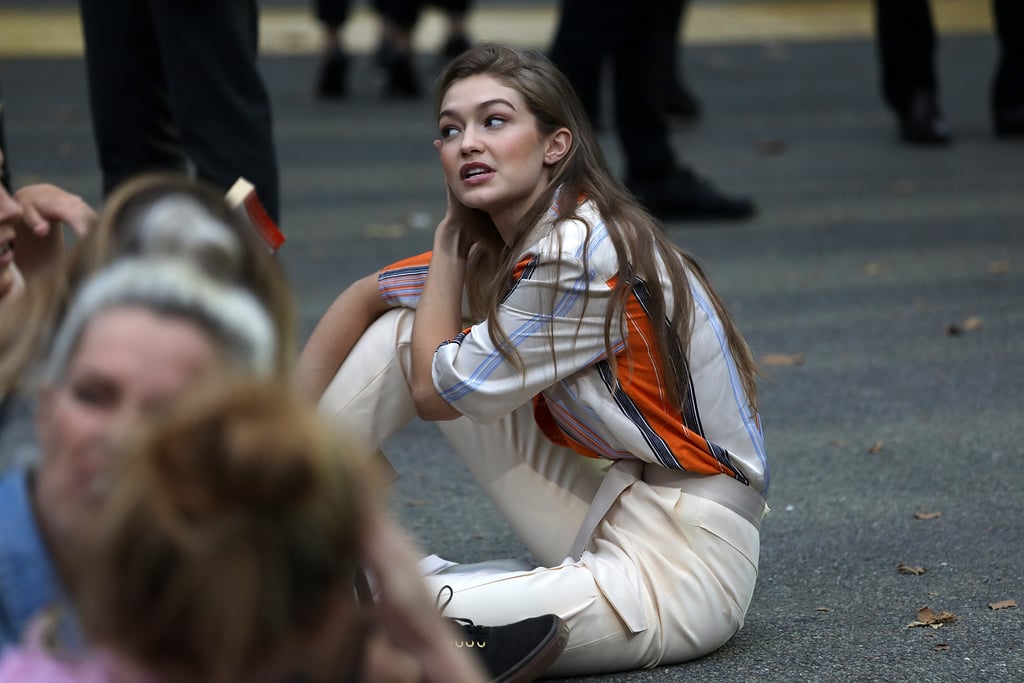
[465, 624]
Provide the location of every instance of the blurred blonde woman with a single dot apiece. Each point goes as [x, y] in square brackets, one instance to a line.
[222, 545]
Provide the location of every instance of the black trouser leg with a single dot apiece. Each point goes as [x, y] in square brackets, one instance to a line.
[332, 13]
[218, 100]
[906, 48]
[1008, 84]
[131, 117]
[639, 107]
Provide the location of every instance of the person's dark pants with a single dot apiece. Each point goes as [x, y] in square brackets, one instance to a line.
[632, 35]
[673, 16]
[177, 79]
[907, 45]
[405, 13]
[1008, 83]
[332, 13]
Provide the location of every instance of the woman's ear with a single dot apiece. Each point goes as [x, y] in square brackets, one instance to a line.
[559, 144]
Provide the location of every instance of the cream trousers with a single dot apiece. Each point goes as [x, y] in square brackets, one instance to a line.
[666, 577]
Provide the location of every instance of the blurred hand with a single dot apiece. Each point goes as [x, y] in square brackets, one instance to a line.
[45, 207]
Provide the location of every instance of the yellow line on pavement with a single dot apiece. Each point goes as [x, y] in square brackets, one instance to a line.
[57, 32]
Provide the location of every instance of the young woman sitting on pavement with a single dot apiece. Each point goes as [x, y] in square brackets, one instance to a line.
[594, 384]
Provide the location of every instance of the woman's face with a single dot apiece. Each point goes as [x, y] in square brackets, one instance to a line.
[128, 363]
[492, 154]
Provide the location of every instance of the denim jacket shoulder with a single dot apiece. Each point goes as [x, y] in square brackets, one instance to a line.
[28, 582]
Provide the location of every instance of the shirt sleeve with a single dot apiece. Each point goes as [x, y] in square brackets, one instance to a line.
[401, 283]
[554, 318]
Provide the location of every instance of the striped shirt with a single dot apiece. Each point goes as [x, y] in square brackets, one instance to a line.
[557, 302]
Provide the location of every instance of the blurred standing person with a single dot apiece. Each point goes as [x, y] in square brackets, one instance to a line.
[679, 101]
[907, 44]
[633, 36]
[398, 19]
[332, 81]
[174, 82]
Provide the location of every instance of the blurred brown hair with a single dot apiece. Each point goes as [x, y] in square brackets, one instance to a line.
[221, 534]
[31, 320]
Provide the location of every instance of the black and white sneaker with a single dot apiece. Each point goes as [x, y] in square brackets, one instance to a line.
[519, 652]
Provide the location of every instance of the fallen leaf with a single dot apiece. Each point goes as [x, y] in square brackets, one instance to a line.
[875, 447]
[904, 187]
[927, 515]
[941, 647]
[999, 267]
[910, 569]
[838, 442]
[1002, 604]
[782, 359]
[926, 616]
[970, 324]
[770, 147]
[873, 269]
[822, 609]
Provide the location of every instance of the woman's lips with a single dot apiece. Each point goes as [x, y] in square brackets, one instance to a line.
[476, 173]
[6, 252]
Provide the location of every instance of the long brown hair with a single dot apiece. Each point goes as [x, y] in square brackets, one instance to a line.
[220, 534]
[642, 248]
[30, 321]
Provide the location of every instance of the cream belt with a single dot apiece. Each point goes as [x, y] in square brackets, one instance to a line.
[721, 488]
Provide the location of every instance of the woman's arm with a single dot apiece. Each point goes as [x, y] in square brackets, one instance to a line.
[438, 315]
[339, 329]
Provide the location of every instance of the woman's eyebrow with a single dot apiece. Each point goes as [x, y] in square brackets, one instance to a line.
[482, 105]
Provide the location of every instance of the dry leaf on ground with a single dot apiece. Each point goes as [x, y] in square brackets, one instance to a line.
[910, 569]
[904, 187]
[972, 324]
[770, 147]
[999, 267]
[1002, 604]
[926, 616]
[787, 360]
[822, 609]
[875, 447]
[922, 514]
[941, 647]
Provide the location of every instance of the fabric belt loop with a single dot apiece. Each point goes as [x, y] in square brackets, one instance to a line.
[621, 475]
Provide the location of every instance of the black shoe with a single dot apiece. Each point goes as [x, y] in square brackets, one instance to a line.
[680, 195]
[922, 123]
[681, 104]
[401, 78]
[455, 46]
[517, 652]
[333, 73]
[1009, 122]
[514, 653]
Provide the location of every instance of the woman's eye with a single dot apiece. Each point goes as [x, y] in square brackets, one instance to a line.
[448, 131]
[92, 394]
[492, 121]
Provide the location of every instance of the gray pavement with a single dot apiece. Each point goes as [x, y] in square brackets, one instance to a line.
[864, 253]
